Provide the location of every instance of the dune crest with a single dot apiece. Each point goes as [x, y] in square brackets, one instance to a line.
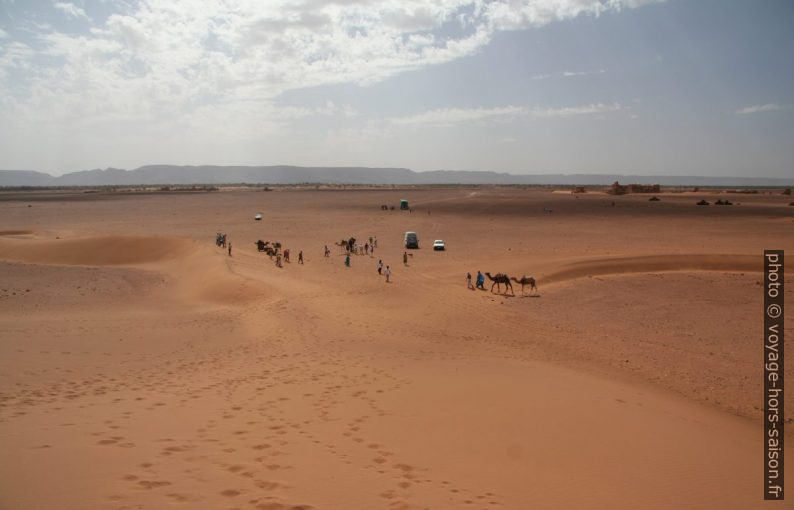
[95, 251]
[653, 263]
[197, 276]
[15, 232]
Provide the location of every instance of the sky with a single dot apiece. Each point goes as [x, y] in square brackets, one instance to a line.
[644, 87]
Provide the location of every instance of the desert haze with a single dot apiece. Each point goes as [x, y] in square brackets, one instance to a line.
[142, 366]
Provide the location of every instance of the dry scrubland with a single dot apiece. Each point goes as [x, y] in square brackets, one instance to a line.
[142, 367]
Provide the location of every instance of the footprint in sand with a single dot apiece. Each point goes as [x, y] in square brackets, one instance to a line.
[153, 484]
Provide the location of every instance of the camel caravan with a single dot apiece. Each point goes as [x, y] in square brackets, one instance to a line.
[271, 249]
[500, 279]
[351, 247]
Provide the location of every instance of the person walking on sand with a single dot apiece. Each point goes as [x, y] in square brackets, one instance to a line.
[480, 281]
[380, 266]
[327, 251]
[278, 260]
[468, 281]
[230, 248]
[405, 258]
[347, 260]
[286, 255]
[387, 272]
[300, 257]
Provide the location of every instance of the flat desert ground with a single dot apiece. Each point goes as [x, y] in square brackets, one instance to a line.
[142, 367]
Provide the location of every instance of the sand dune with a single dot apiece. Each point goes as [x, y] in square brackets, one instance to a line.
[15, 232]
[654, 263]
[95, 251]
[197, 273]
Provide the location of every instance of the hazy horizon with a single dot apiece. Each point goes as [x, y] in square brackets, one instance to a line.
[691, 175]
[631, 87]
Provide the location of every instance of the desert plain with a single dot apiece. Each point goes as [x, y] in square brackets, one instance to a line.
[143, 367]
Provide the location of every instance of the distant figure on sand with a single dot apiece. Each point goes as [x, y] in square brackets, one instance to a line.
[480, 281]
[468, 281]
[327, 251]
[300, 257]
[347, 260]
[230, 248]
[405, 258]
[278, 260]
[387, 272]
[380, 266]
[286, 255]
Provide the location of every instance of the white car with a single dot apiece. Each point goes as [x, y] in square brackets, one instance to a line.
[258, 216]
[439, 245]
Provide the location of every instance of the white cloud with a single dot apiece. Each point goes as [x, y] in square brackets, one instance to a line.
[156, 65]
[570, 111]
[568, 74]
[4, 34]
[452, 116]
[71, 10]
[769, 107]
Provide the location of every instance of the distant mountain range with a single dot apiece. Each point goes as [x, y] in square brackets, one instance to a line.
[186, 175]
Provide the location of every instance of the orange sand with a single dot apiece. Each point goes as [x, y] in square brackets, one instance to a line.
[142, 367]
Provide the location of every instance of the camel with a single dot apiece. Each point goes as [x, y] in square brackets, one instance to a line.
[345, 245]
[499, 279]
[526, 280]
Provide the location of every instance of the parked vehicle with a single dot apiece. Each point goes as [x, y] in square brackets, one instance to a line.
[411, 240]
[439, 245]
[258, 216]
[404, 204]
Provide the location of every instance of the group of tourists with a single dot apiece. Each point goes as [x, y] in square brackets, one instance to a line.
[352, 247]
[285, 257]
[382, 271]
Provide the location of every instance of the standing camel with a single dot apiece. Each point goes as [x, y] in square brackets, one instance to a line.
[526, 280]
[499, 279]
[343, 245]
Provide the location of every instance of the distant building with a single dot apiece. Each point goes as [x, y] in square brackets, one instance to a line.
[644, 188]
[617, 189]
